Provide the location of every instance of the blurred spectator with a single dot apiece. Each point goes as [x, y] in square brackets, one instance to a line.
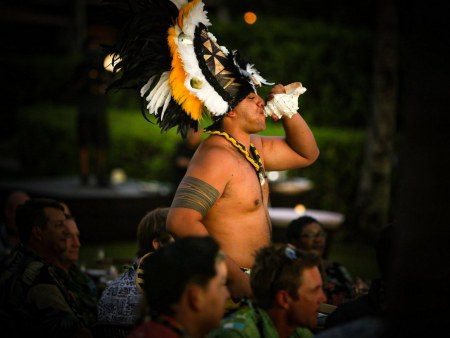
[91, 81]
[8, 231]
[78, 283]
[72, 253]
[120, 304]
[306, 233]
[34, 300]
[66, 208]
[372, 304]
[287, 294]
[185, 288]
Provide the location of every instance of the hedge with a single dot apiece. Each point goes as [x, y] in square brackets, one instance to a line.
[46, 146]
[331, 60]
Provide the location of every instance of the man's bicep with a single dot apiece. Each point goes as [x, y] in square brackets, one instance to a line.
[196, 194]
[192, 201]
[277, 154]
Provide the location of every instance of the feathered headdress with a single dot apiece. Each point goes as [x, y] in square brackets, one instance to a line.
[167, 52]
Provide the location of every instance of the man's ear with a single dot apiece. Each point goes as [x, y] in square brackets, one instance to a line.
[283, 299]
[195, 297]
[156, 244]
[36, 232]
[231, 113]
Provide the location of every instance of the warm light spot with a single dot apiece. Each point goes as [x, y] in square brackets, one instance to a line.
[273, 175]
[250, 18]
[300, 209]
[118, 176]
[110, 61]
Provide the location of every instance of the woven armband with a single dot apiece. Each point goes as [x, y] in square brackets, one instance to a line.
[196, 194]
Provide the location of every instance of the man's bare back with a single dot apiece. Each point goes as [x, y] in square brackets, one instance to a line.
[239, 219]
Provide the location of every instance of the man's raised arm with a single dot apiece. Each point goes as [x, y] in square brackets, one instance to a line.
[296, 150]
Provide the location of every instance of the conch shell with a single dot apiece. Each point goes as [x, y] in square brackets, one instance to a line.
[285, 104]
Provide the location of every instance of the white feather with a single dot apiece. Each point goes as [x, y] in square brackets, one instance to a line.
[155, 103]
[161, 87]
[156, 100]
[256, 75]
[146, 87]
[155, 89]
[166, 104]
[196, 15]
[179, 3]
[163, 96]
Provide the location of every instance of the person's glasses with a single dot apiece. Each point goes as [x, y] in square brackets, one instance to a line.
[292, 254]
[314, 235]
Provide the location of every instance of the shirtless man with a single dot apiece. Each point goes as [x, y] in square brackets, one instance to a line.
[221, 194]
[167, 52]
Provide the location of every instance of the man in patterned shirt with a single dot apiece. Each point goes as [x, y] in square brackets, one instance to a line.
[33, 299]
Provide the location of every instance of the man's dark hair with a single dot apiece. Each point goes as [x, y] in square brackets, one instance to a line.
[217, 123]
[171, 268]
[279, 267]
[31, 214]
[152, 226]
[294, 229]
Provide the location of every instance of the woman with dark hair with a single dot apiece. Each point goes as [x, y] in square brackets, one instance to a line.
[306, 233]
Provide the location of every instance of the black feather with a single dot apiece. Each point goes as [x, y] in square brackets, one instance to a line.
[143, 51]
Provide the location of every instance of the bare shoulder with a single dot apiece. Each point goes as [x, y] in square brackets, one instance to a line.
[212, 151]
[212, 161]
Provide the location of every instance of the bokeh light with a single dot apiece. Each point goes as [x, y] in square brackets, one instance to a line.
[250, 18]
[110, 61]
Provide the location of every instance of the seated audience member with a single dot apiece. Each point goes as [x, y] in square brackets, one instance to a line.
[8, 231]
[119, 305]
[185, 288]
[372, 304]
[79, 284]
[66, 208]
[287, 294]
[33, 299]
[307, 234]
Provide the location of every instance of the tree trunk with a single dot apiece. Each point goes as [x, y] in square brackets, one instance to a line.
[373, 200]
[418, 297]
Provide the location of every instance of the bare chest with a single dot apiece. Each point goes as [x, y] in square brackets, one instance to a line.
[245, 188]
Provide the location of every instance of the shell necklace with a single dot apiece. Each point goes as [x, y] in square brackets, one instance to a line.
[251, 156]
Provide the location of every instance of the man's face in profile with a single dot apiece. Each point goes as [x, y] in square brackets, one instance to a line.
[72, 241]
[216, 294]
[54, 233]
[303, 311]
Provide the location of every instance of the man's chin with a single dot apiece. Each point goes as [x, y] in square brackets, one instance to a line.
[261, 128]
[72, 258]
[319, 250]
